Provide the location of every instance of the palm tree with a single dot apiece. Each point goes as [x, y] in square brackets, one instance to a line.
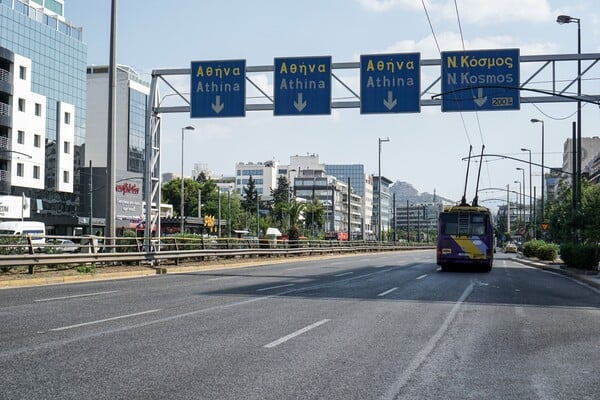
[294, 209]
[314, 215]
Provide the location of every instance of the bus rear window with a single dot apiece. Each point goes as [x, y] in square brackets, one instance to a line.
[462, 224]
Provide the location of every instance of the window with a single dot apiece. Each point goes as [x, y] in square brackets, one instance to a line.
[66, 147]
[37, 140]
[36, 172]
[67, 118]
[65, 176]
[21, 137]
[38, 109]
[22, 72]
[22, 105]
[20, 169]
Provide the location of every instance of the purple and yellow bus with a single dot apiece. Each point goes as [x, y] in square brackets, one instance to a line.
[465, 237]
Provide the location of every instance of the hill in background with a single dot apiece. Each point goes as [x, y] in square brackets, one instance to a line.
[405, 191]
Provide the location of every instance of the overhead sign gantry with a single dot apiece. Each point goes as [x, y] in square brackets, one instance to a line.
[480, 80]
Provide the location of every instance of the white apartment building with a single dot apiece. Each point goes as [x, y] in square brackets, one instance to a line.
[264, 175]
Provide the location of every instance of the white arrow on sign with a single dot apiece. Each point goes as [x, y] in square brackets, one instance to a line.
[480, 100]
[217, 106]
[299, 104]
[390, 102]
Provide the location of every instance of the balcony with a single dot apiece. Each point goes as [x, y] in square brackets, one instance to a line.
[5, 82]
[4, 182]
[5, 118]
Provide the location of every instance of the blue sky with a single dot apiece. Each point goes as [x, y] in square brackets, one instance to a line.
[425, 148]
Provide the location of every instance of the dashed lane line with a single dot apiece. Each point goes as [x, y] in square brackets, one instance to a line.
[294, 334]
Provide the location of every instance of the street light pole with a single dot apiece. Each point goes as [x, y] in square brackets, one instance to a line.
[530, 194]
[519, 199]
[523, 196]
[379, 191]
[182, 204]
[535, 120]
[566, 19]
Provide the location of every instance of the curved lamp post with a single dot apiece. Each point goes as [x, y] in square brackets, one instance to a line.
[566, 19]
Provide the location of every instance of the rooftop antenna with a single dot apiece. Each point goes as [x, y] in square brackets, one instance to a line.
[478, 174]
[463, 201]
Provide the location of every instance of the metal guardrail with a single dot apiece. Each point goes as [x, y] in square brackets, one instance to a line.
[180, 250]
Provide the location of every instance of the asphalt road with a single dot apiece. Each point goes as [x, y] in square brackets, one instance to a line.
[380, 326]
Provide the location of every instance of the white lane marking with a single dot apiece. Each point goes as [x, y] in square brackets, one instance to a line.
[103, 320]
[422, 276]
[76, 296]
[221, 278]
[344, 274]
[387, 292]
[439, 269]
[274, 287]
[382, 266]
[294, 334]
[425, 351]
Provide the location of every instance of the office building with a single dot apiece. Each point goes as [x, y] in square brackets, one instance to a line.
[362, 185]
[386, 205]
[131, 94]
[42, 113]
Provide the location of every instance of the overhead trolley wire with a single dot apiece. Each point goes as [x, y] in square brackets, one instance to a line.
[440, 52]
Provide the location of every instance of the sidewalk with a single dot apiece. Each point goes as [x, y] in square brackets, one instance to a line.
[591, 278]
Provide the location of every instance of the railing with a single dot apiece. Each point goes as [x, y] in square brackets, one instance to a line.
[4, 75]
[4, 109]
[23, 251]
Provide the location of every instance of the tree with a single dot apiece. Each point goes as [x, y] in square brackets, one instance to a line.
[294, 210]
[171, 194]
[563, 222]
[281, 196]
[250, 196]
[314, 215]
[590, 205]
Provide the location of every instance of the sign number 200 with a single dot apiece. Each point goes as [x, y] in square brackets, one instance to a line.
[502, 101]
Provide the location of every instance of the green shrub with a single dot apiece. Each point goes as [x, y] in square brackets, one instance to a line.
[582, 256]
[86, 269]
[127, 242]
[531, 248]
[547, 252]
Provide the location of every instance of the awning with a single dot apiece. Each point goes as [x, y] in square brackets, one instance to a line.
[273, 232]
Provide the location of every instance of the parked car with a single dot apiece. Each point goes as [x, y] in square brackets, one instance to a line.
[64, 246]
[510, 248]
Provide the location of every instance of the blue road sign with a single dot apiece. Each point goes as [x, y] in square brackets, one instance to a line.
[390, 83]
[480, 80]
[218, 89]
[302, 86]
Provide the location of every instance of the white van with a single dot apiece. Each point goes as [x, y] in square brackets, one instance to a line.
[37, 230]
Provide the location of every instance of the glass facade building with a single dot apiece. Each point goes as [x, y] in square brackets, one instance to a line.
[37, 31]
[137, 131]
[131, 95]
[356, 173]
[58, 57]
